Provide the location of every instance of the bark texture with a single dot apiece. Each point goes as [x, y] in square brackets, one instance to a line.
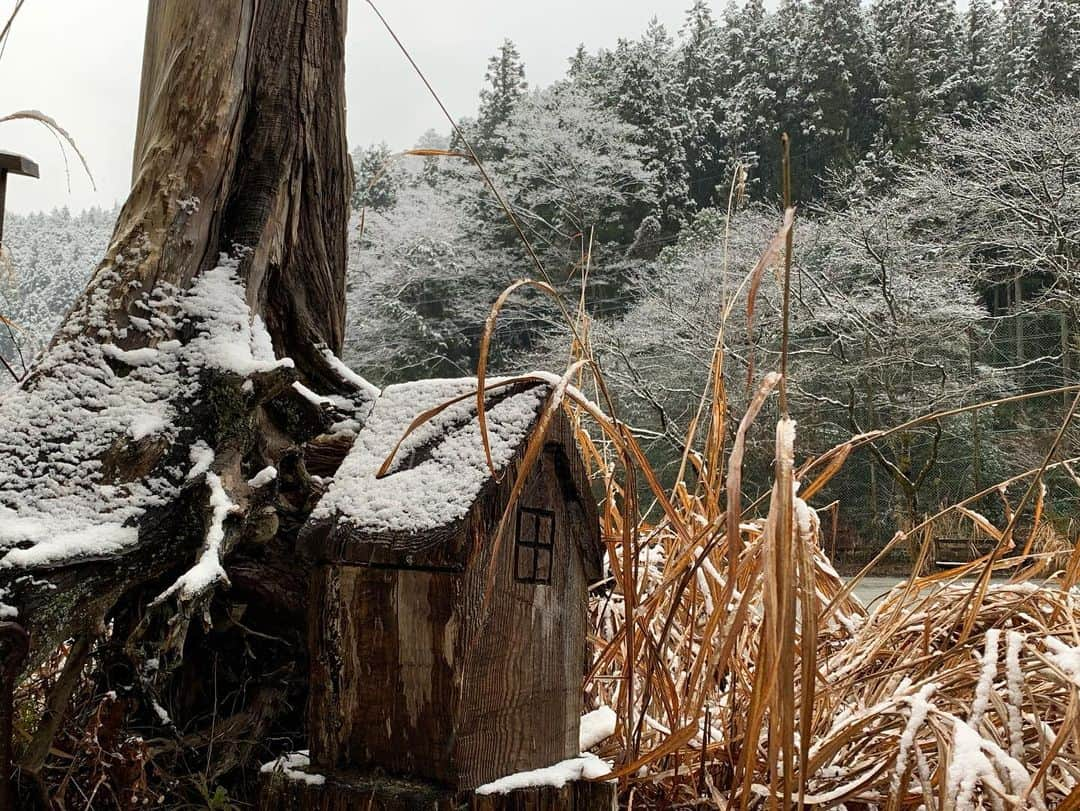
[241, 145]
[240, 150]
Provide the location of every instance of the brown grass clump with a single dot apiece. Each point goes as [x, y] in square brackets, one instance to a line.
[916, 714]
[746, 675]
[944, 697]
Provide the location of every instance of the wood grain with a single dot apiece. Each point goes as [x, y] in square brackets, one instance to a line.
[429, 674]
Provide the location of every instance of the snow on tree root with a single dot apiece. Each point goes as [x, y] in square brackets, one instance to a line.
[208, 571]
[90, 407]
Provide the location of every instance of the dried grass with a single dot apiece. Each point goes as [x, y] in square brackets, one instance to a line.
[61, 135]
[745, 673]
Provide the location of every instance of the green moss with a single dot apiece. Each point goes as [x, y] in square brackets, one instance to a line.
[231, 417]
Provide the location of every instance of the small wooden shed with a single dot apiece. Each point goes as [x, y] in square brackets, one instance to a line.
[419, 667]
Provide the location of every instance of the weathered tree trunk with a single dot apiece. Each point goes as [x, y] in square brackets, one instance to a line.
[240, 142]
[163, 398]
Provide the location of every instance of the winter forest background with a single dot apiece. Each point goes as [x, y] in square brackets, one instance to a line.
[936, 166]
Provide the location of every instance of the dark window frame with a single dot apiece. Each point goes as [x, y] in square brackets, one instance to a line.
[537, 546]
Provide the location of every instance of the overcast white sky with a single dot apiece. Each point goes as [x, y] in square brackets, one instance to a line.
[79, 61]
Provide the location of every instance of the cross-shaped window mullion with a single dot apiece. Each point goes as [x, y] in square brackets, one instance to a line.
[535, 542]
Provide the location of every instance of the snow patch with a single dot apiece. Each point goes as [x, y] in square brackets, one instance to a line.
[440, 468]
[162, 715]
[987, 674]
[587, 767]
[132, 357]
[313, 398]
[263, 477]
[370, 391]
[920, 708]
[1064, 657]
[56, 540]
[294, 766]
[201, 458]
[595, 727]
[233, 340]
[59, 499]
[208, 569]
[148, 424]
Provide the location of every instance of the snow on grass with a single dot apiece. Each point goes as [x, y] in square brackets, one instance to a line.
[88, 398]
[920, 708]
[969, 767]
[294, 766]
[987, 674]
[1014, 680]
[1064, 657]
[979, 761]
[595, 727]
[439, 469]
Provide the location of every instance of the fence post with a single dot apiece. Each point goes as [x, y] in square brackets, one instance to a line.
[10, 163]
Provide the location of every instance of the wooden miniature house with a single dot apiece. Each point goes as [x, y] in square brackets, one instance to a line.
[437, 652]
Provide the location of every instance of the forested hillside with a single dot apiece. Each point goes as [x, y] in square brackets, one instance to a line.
[936, 166]
[48, 258]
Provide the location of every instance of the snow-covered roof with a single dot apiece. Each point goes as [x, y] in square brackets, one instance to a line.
[440, 469]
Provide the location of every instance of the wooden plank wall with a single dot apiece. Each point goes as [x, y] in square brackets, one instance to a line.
[524, 655]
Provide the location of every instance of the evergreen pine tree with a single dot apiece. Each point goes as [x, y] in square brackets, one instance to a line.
[1056, 47]
[579, 64]
[506, 84]
[1015, 47]
[432, 167]
[980, 38]
[644, 90]
[376, 182]
[921, 72]
[699, 62]
[788, 42]
[838, 89]
[748, 110]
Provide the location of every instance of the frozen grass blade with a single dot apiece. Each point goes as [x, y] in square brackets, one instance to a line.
[62, 135]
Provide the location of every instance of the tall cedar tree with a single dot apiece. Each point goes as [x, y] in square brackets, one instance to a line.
[699, 65]
[919, 68]
[506, 85]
